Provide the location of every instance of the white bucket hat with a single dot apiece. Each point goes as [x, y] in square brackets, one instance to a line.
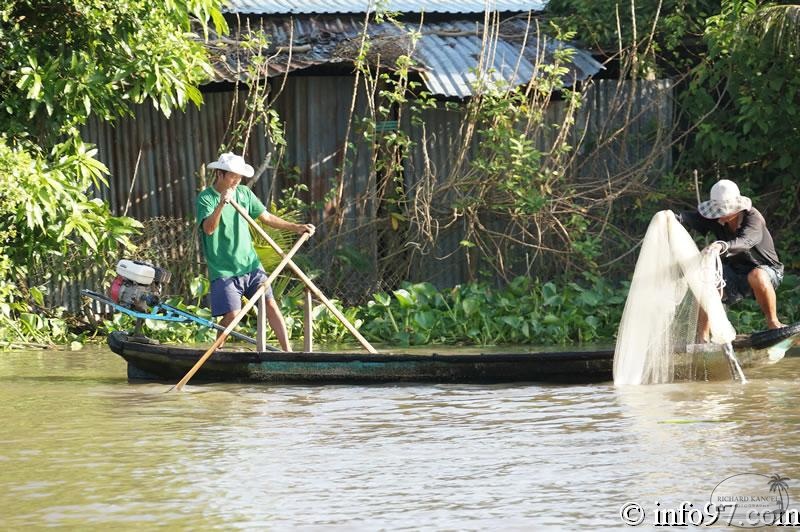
[725, 200]
[230, 162]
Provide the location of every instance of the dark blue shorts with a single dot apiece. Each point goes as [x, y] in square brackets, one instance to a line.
[226, 292]
[737, 287]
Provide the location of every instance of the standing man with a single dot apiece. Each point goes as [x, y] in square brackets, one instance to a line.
[233, 266]
[750, 263]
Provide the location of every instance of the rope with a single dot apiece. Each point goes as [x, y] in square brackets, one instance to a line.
[719, 279]
[719, 283]
[713, 271]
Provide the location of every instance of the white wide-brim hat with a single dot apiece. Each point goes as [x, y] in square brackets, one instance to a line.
[230, 162]
[725, 200]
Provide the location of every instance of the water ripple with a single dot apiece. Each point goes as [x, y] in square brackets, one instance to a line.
[80, 448]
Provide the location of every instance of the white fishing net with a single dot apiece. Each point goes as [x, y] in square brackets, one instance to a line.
[671, 282]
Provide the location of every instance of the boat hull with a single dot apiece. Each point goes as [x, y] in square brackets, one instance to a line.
[170, 363]
[151, 361]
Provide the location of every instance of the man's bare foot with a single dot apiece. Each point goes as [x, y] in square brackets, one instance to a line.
[775, 325]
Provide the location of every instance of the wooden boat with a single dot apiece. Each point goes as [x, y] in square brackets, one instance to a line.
[151, 361]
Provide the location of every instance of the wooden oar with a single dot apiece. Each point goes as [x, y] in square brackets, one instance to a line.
[303, 277]
[242, 313]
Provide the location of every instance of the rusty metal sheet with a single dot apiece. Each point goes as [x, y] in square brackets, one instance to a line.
[453, 58]
[277, 7]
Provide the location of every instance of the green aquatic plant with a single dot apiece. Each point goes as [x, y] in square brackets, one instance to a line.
[525, 311]
[63, 62]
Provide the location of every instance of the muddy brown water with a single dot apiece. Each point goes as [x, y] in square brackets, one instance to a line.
[82, 449]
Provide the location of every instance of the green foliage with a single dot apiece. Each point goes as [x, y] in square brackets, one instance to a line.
[46, 218]
[526, 312]
[19, 327]
[326, 329]
[523, 312]
[47, 208]
[609, 25]
[62, 61]
[756, 90]
[518, 174]
[745, 98]
[508, 154]
[776, 22]
[65, 59]
[284, 239]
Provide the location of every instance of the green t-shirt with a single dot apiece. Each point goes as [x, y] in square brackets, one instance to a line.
[229, 249]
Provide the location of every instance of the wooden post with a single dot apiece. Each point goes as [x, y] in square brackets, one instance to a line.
[245, 309]
[308, 282]
[221, 338]
[261, 334]
[308, 338]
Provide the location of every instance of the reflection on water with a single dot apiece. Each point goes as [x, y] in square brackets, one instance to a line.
[81, 448]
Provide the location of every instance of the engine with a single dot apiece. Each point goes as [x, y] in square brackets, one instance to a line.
[138, 284]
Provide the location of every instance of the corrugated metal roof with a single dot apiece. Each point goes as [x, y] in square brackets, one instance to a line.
[450, 56]
[286, 7]
[457, 54]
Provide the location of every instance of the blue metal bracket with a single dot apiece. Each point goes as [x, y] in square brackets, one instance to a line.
[164, 312]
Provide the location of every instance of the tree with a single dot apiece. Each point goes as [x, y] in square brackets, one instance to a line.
[667, 32]
[745, 100]
[61, 61]
[734, 64]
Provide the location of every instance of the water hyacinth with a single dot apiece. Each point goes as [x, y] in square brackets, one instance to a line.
[523, 312]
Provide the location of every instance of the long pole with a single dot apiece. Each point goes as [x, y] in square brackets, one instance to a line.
[303, 277]
[242, 313]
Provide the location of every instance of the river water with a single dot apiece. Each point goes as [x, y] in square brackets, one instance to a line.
[82, 449]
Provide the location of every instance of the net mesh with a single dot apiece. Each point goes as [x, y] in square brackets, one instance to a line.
[671, 283]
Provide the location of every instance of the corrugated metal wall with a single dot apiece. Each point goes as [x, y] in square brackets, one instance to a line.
[316, 112]
[645, 108]
[154, 162]
[435, 159]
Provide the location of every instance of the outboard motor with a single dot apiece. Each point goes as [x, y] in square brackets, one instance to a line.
[138, 284]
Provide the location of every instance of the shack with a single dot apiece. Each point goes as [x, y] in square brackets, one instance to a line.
[306, 63]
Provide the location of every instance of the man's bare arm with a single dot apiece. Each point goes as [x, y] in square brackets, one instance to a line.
[277, 222]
